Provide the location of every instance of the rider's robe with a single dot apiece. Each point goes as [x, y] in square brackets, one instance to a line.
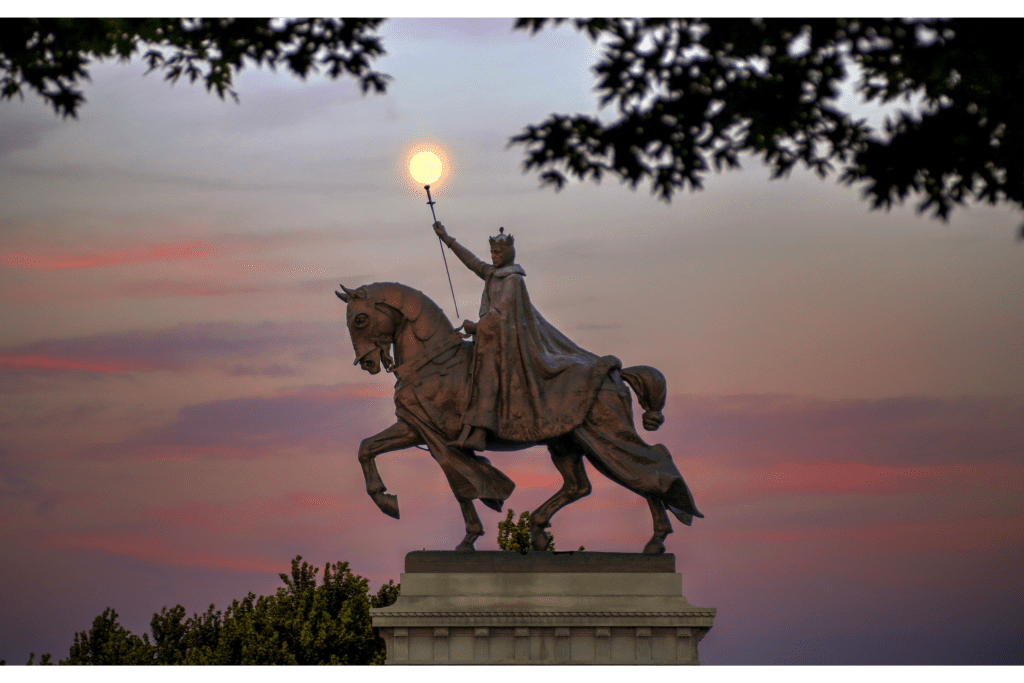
[529, 381]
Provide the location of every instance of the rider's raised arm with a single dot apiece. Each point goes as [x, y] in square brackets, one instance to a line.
[479, 267]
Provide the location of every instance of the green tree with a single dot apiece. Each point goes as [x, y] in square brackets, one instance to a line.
[303, 623]
[108, 642]
[386, 595]
[51, 56]
[515, 536]
[328, 624]
[170, 635]
[692, 94]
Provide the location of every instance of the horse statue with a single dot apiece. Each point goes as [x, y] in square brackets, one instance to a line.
[433, 364]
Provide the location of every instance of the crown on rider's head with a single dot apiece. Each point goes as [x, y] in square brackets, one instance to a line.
[502, 239]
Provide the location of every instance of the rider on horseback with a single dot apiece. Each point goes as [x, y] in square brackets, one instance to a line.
[529, 381]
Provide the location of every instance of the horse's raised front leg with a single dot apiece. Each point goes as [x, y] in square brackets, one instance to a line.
[662, 527]
[568, 459]
[394, 438]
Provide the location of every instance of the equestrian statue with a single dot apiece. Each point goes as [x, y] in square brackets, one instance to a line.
[519, 383]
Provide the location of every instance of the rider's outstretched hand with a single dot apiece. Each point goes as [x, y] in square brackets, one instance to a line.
[439, 229]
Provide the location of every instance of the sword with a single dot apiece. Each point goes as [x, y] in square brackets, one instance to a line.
[431, 203]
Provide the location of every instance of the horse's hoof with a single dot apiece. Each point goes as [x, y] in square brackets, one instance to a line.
[539, 539]
[467, 544]
[654, 547]
[387, 503]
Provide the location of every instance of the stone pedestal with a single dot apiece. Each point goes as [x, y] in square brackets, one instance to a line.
[494, 607]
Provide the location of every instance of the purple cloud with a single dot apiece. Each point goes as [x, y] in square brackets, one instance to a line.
[754, 429]
[316, 418]
[184, 347]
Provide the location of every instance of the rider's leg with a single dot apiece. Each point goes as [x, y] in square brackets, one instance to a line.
[482, 412]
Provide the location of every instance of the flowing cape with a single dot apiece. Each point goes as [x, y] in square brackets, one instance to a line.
[530, 381]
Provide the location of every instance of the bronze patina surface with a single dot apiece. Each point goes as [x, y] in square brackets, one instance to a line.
[519, 383]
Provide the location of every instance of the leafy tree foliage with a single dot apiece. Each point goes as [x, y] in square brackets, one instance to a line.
[108, 642]
[692, 94]
[386, 595]
[304, 623]
[50, 56]
[515, 536]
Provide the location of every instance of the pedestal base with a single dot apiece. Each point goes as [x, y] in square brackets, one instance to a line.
[493, 607]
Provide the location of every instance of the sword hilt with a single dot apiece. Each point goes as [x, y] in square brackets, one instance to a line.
[431, 203]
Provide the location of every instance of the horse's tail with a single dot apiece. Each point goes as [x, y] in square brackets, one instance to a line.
[650, 387]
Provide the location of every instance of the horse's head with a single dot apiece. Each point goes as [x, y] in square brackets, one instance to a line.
[375, 314]
[371, 327]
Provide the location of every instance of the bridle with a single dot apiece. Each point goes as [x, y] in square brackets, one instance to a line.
[381, 340]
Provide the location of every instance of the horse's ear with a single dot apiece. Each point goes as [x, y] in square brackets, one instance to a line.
[351, 293]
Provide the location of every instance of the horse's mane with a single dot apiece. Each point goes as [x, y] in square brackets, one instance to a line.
[415, 306]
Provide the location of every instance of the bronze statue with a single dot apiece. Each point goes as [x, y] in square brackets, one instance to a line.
[520, 383]
[529, 381]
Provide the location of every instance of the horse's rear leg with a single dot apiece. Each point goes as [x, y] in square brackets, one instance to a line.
[568, 460]
[662, 527]
[394, 438]
[474, 529]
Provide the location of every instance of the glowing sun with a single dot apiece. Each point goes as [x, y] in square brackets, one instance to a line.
[425, 167]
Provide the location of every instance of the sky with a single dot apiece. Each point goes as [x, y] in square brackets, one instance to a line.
[180, 415]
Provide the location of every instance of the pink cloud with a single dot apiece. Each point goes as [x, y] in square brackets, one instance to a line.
[962, 535]
[220, 518]
[161, 289]
[303, 419]
[528, 479]
[39, 361]
[255, 514]
[344, 391]
[761, 429]
[796, 478]
[185, 250]
[304, 502]
[177, 453]
[156, 549]
[189, 346]
[983, 549]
